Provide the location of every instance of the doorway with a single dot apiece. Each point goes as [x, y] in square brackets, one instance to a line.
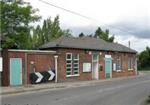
[95, 72]
[15, 71]
[108, 67]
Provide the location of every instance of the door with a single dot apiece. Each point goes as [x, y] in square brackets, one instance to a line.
[95, 72]
[15, 71]
[108, 67]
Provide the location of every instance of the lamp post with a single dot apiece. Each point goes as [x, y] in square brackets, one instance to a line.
[56, 64]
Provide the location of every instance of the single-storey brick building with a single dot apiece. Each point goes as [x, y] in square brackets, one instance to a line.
[88, 58]
[68, 59]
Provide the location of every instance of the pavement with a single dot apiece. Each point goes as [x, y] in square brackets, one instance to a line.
[146, 101]
[53, 86]
[119, 91]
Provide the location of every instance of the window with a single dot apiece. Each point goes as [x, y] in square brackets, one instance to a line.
[72, 64]
[118, 63]
[130, 63]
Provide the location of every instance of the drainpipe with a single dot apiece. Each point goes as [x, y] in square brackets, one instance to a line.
[56, 65]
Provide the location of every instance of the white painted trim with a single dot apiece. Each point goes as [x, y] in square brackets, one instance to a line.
[71, 56]
[107, 56]
[1, 64]
[44, 51]
[97, 61]
[72, 66]
[136, 66]
[56, 68]
[72, 75]
[118, 70]
[111, 69]
[130, 69]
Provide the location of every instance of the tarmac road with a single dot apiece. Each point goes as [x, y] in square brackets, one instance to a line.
[128, 91]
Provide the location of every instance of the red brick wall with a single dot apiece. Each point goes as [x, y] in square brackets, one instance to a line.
[6, 65]
[5, 73]
[124, 71]
[42, 62]
[84, 57]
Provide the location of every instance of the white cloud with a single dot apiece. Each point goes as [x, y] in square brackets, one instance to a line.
[104, 13]
[135, 43]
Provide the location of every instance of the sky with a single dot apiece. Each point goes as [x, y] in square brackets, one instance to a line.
[128, 20]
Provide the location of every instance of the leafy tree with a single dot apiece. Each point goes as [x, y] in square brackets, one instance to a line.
[99, 33]
[50, 30]
[144, 59]
[15, 24]
[37, 38]
[81, 34]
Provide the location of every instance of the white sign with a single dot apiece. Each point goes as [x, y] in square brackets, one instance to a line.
[86, 67]
[1, 64]
[40, 76]
[52, 75]
[114, 66]
[107, 56]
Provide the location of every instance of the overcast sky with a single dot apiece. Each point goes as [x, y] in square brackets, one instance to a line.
[129, 20]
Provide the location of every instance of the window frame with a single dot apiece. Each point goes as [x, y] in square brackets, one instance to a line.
[119, 63]
[72, 59]
[130, 63]
[68, 63]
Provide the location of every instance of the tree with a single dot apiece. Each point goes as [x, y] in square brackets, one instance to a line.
[81, 34]
[144, 59]
[49, 31]
[15, 24]
[99, 33]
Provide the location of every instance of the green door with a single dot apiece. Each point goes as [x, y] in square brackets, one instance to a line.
[108, 67]
[15, 71]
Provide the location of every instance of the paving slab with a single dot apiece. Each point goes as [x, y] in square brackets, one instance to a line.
[45, 86]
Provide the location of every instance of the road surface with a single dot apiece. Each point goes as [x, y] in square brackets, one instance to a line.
[129, 91]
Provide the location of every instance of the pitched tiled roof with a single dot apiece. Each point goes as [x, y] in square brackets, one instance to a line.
[86, 43]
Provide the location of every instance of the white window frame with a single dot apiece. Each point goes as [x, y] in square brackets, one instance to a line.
[68, 63]
[72, 65]
[119, 60]
[130, 63]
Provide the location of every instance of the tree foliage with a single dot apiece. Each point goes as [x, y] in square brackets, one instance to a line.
[15, 24]
[144, 59]
[50, 30]
[17, 31]
[99, 33]
[81, 34]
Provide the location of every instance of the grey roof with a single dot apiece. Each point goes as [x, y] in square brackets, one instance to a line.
[86, 43]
